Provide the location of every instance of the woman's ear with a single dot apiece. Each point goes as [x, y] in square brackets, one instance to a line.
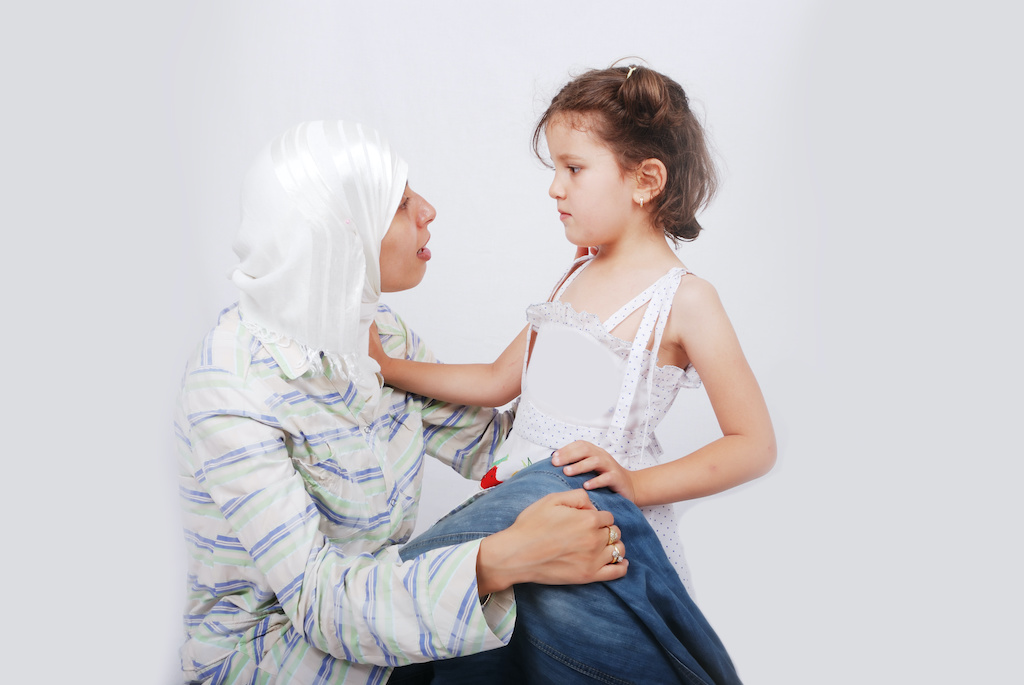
[651, 176]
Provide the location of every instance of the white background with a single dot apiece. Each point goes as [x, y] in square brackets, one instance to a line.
[865, 243]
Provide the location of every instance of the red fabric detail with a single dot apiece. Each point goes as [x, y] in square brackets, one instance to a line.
[490, 479]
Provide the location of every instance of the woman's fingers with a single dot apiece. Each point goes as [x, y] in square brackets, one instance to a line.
[618, 552]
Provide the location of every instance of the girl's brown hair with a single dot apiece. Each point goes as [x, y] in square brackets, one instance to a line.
[642, 114]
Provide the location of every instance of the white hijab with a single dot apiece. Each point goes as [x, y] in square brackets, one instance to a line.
[316, 204]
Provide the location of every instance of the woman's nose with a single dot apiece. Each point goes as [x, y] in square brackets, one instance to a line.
[427, 214]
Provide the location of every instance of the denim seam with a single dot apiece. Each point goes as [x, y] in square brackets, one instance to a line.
[412, 551]
[590, 672]
[690, 675]
[577, 666]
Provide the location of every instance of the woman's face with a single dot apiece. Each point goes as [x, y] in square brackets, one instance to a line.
[403, 252]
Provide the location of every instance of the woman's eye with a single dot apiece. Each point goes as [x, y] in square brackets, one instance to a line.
[574, 169]
[405, 203]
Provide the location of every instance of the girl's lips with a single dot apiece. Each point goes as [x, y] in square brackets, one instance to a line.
[423, 253]
[562, 216]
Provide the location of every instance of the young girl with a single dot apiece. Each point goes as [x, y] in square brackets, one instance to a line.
[628, 326]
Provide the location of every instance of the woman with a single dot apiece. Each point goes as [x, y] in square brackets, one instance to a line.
[299, 473]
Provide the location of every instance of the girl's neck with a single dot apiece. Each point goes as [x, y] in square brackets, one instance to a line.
[642, 249]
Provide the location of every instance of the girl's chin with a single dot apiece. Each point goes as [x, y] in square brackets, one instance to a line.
[578, 242]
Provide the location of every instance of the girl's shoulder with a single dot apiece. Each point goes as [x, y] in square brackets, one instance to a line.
[695, 298]
[697, 315]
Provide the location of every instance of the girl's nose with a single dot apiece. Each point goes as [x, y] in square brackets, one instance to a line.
[555, 189]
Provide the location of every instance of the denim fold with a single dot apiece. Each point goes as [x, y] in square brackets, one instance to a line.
[641, 628]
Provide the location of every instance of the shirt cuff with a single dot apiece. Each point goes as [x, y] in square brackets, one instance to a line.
[500, 613]
[495, 613]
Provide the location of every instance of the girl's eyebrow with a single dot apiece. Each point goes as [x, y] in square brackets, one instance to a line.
[566, 157]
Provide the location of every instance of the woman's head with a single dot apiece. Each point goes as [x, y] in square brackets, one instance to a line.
[316, 204]
[640, 114]
[403, 252]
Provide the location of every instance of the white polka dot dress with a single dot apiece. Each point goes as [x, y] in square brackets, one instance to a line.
[583, 383]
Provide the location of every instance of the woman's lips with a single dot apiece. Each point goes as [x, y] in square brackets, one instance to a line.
[423, 253]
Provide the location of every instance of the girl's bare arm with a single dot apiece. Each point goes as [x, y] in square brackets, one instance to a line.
[482, 385]
[747, 447]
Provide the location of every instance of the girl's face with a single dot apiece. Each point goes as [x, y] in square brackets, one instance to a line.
[595, 199]
[403, 252]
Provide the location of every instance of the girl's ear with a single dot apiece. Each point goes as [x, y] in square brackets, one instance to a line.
[651, 175]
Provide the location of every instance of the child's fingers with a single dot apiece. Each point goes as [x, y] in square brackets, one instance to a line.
[575, 451]
[605, 480]
[618, 482]
[586, 465]
[567, 455]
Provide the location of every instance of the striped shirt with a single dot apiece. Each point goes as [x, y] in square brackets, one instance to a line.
[295, 492]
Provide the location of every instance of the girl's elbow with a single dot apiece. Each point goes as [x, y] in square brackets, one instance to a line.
[769, 454]
[508, 392]
[761, 453]
[505, 398]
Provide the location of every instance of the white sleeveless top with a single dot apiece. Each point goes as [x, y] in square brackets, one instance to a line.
[583, 383]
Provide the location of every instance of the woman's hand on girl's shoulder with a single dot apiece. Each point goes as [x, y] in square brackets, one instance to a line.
[377, 352]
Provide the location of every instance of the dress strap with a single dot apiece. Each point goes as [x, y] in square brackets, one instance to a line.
[640, 300]
[574, 270]
[570, 274]
[662, 293]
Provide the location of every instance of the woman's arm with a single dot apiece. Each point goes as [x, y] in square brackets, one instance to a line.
[353, 599]
[482, 385]
[251, 503]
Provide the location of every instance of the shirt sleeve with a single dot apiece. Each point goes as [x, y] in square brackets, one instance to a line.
[352, 598]
[463, 437]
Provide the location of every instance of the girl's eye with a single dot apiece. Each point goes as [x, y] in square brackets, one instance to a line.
[574, 169]
[405, 203]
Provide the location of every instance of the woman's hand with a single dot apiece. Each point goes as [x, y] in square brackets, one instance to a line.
[561, 539]
[377, 352]
[583, 457]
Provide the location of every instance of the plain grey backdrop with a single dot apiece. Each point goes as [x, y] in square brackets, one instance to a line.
[865, 243]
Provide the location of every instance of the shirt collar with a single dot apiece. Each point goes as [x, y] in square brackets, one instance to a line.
[289, 356]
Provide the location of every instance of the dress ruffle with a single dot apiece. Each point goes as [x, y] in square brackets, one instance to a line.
[562, 313]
